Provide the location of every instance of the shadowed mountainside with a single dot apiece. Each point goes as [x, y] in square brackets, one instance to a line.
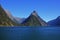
[55, 22]
[6, 19]
[34, 20]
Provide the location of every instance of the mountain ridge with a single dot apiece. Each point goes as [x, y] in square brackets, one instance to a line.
[55, 22]
[34, 20]
[8, 20]
[4, 19]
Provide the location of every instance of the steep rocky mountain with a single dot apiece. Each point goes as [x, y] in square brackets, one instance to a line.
[55, 22]
[15, 19]
[5, 20]
[34, 20]
[11, 17]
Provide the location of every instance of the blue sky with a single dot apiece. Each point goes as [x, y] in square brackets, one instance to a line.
[46, 9]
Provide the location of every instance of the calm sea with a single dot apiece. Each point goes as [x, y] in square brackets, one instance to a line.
[29, 33]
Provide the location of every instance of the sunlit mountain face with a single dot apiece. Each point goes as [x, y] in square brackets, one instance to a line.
[5, 19]
[34, 20]
[15, 24]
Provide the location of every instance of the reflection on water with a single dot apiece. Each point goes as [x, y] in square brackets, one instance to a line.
[29, 33]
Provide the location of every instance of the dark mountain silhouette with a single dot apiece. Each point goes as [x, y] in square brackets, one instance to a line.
[5, 19]
[55, 22]
[34, 20]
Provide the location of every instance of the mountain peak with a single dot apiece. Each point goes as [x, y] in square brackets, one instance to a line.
[34, 20]
[34, 13]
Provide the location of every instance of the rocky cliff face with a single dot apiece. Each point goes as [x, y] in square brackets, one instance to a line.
[4, 18]
[34, 20]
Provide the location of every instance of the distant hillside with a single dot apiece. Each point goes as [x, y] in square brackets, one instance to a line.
[34, 20]
[4, 18]
[19, 20]
[55, 22]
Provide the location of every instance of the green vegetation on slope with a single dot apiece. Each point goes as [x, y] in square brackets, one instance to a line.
[4, 19]
[34, 20]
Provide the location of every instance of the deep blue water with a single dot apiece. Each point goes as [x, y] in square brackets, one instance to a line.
[29, 33]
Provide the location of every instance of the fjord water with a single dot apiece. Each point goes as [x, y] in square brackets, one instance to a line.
[29, 33]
